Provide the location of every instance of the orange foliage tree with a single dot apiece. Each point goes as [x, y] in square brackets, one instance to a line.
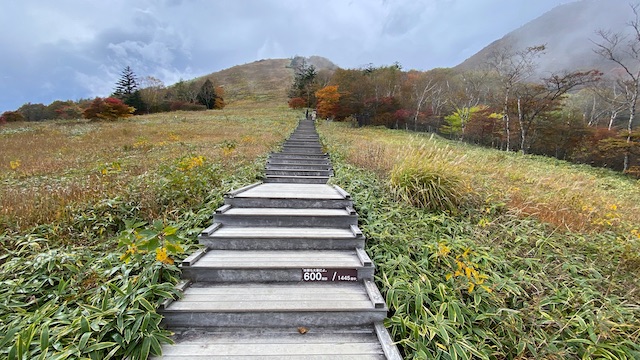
[328, 98]
[107, 109]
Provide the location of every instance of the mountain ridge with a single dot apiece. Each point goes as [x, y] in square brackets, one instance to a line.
[568, 31]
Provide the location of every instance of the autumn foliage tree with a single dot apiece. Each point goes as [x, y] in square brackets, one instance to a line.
[107, 109]
[328, 99]
[11, 116]
[297, 103]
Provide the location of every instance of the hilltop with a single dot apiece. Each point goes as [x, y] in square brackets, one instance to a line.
[262, 80]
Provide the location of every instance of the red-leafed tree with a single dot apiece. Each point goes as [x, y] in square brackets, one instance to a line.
[382, 110]
[328, 99]
[297, 103]
[107, 109]
[11, 116]
[65, 109]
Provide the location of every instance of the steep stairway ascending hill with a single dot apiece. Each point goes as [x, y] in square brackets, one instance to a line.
[284, 274]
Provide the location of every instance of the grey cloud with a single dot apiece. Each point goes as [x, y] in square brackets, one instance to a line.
[70, 49]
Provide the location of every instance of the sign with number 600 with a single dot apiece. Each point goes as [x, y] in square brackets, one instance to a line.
[329, 275]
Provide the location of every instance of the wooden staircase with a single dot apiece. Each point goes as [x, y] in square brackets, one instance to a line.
[284, 274]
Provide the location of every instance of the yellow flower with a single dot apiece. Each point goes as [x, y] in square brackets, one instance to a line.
[161, 255]
[14, 164]
[443, 250]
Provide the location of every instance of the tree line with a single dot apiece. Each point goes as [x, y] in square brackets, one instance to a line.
[580, 116]
[131, 96]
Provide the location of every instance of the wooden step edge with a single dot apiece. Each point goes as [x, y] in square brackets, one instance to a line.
[389, 348]
[191, 259]
[242, 189]
[350, 210]
[374, 295]
[180, 286]
[208, 231]
[223, 209]
[272, 176]
[365, 260]
[342, 192]
[356, 231]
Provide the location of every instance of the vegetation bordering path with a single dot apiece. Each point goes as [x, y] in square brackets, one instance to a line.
[486, 280]
[95, 215]
[494, 281]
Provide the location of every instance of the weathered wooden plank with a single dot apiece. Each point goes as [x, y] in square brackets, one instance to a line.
[286, 212]
[211, 288]
[235, 349]
[246, 307]
[278, 232]
[299, 191]
[279, 357]
[270, 259]
[278, 254]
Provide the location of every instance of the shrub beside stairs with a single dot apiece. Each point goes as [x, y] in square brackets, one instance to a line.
[284, 274]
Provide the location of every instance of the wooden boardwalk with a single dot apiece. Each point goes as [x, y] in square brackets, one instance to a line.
[284, 274]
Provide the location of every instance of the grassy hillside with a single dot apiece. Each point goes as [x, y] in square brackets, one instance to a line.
[261, 81]
[537, 259]
[265, 81]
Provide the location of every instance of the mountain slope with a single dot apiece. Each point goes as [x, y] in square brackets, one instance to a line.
[568, 31]
[262, 80]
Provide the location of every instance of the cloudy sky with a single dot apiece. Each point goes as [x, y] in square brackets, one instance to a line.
[71, 49]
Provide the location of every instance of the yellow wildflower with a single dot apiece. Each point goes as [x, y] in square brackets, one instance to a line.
[162, 256]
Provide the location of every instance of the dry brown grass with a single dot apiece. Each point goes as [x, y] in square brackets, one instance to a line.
[569, 196]
[260, 81]
[45, 167]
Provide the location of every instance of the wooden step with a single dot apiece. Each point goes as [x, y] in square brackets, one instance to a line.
[286, 217]
[325, 162]
[280, 238]
[205, 304]
[297, 156]
[289, 195]
[277, 266]
[298, 172]
[370, 342]
[298, 166]
[296, 179]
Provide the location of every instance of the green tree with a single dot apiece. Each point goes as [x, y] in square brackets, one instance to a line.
[207, 95]
[127, 85]
[457, 122]
[304, 83]
[35, 112]
[127, 90]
